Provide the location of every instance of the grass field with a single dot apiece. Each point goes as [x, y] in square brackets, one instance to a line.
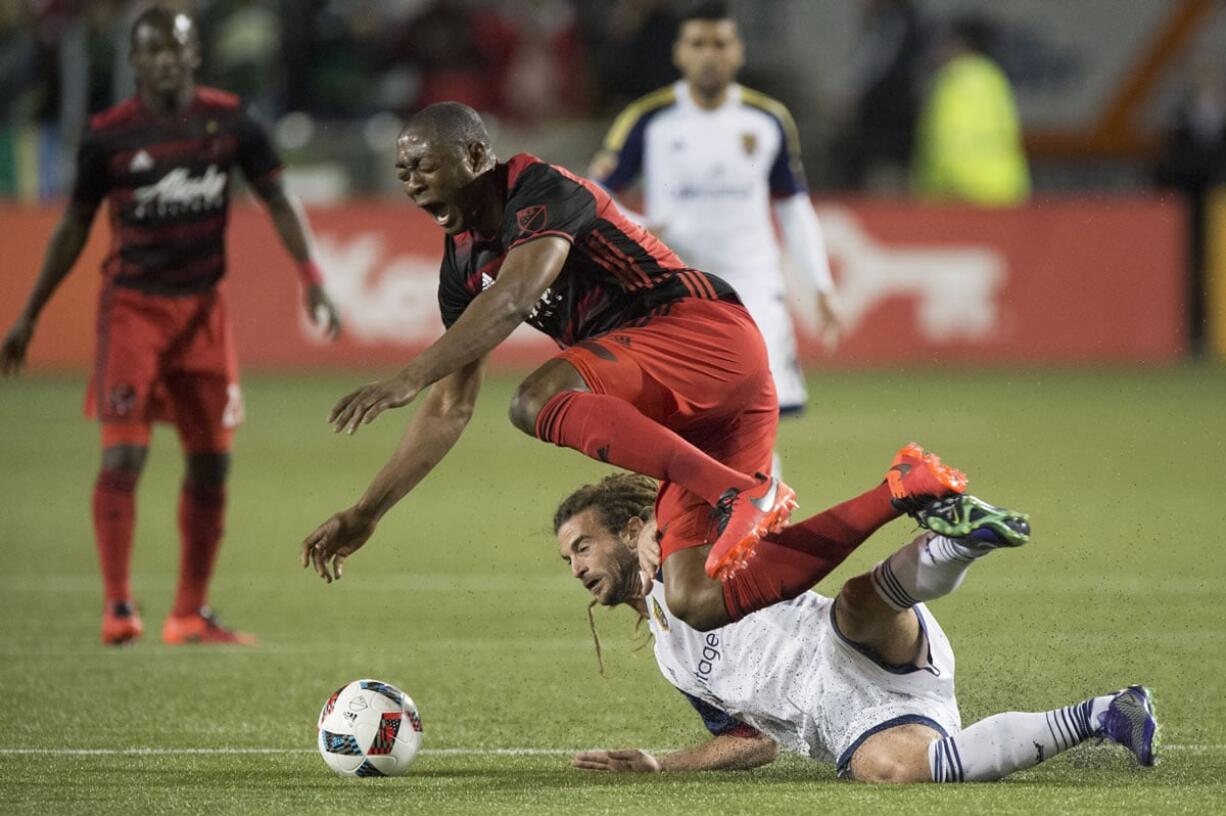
[462, 601]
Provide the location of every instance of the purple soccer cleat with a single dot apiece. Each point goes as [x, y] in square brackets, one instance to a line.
[1129, 721]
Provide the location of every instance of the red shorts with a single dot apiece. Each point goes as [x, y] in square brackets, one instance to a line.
[165, 359]
[700, 370]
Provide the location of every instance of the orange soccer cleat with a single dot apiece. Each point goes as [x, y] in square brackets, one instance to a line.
[917, 477]
[201, 627]
[741, 518]
[121, 623]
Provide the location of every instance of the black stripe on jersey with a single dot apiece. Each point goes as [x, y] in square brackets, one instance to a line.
[634, 255]
[165, 259]
[144, 134]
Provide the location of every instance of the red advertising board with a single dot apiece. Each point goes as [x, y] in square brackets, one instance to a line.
[1058, 281]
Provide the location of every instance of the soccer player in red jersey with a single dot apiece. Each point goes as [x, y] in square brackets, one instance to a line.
[163, 159]
[662, 372]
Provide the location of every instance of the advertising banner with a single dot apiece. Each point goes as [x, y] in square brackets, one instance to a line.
[1061, 281]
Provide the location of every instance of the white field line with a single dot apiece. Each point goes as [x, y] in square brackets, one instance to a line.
[1191, 748]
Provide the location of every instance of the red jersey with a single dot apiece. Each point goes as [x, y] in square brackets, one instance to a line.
[168, 183]
[616, 272]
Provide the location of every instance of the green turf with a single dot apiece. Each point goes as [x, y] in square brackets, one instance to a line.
[462, 600]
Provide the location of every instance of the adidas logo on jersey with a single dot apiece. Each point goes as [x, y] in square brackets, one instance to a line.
[141, 162]
[487, 281]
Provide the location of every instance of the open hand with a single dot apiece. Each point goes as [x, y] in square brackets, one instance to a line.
[630, 760]
[13, 352]
[362, 406]
[337, 538]
[322, 312]
[832, 323]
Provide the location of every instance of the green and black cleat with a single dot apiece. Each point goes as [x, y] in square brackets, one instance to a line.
[976, 521]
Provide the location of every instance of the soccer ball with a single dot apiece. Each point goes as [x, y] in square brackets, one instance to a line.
[369, 728]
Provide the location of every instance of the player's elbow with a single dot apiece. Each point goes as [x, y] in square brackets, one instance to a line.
[767, 751]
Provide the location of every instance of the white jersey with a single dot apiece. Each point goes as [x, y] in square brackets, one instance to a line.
[709, 177]
[786, 671]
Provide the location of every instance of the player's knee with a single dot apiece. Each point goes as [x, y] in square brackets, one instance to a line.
[860, 612]
[526, 405]
[127, 458]
[207, 469]
[700, 609]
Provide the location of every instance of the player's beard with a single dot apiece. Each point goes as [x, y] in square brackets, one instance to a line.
[621, 581]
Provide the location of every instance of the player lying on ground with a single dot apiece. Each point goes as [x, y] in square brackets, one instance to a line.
[164, 159]
[662, 372]
[865, 680]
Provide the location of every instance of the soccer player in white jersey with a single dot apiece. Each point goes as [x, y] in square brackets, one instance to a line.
[716, 160]
[864, 680]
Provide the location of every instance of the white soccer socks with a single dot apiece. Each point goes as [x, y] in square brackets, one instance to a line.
[929, 567]
[997, 746]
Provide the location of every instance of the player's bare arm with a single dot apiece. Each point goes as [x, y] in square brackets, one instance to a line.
[802, 234]
[528, 271]
[431, 433]
[291, 225]
[66, 244]
[725, 752]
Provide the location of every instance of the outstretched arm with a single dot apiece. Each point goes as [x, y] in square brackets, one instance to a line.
[526, 273]
[802, 234]
[721, 753]
[432, 432]
[66, 244]
[291, 224]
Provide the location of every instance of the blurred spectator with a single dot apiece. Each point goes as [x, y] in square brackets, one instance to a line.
[969, 141]
[876, 143]
[244, 52]
[632, 47]
[21, 85]
[1193, 161]
[545, 77]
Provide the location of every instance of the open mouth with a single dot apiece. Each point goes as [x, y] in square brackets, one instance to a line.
[591, 584]
[439, 211]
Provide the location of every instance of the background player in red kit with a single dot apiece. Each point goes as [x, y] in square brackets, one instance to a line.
[662, 372]
[163, 159]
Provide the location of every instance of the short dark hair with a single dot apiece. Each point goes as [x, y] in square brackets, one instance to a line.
[617, 498]
[974, 31]
[452, 122]
[707, 11]
[161, 18]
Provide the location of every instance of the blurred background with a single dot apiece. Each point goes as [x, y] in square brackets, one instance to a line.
[1122, 108]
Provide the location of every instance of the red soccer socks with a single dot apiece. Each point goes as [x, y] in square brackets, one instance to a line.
[201, 512]
[612, 430]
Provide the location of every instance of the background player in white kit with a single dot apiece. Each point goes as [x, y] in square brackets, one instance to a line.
[865, 680]
[716, 159]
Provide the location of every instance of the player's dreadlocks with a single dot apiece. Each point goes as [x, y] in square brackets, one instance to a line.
[616, 498]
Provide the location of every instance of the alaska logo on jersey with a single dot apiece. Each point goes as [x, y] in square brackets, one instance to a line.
[178, 192]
